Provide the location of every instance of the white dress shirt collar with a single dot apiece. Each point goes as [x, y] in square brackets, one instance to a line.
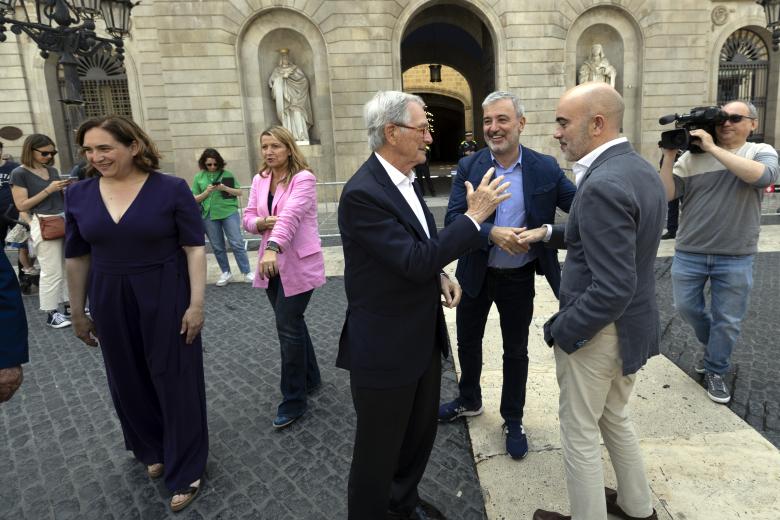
[405, 187]
[581, 167]
[395, 174]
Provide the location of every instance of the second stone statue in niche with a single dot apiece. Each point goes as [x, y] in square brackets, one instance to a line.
[290, 91]
[597, 67]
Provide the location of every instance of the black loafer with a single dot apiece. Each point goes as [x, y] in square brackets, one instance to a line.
[614, 509]
[423, 511]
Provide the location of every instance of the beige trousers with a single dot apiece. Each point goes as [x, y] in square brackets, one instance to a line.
[51, 255]
[594, 398]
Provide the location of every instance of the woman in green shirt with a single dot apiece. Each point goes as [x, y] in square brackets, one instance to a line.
[217, 192]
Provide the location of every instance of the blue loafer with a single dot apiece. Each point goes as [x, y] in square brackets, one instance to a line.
[283, 421]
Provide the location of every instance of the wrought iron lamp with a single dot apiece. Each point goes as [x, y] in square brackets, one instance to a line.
[72, 34]
[772, 12]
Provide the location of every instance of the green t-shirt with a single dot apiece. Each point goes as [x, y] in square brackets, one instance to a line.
[215, 206]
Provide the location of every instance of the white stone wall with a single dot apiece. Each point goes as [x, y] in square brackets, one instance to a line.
[186, 59]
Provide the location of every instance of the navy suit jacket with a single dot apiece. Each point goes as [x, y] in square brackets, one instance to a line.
[544, 187]
[391, 276]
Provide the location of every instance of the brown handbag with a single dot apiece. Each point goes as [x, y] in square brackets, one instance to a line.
[52, 228]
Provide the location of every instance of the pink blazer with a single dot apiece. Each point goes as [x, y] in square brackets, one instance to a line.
[301, 264]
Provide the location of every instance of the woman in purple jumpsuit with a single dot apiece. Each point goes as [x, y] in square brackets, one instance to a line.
[134, 241]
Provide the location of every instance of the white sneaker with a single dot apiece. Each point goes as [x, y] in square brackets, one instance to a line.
[250, 277]
[224, 278]
[57, 321]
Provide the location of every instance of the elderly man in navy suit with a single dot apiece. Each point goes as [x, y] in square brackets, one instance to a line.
[502, 269]
[608, 323]
[395, 334]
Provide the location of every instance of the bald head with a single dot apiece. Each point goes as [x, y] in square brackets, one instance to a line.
[599, 99]
[588, 116]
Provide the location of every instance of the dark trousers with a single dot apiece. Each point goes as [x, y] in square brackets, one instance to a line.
[512, 290]
[163, 415]
[300, 372]
[672, 215]
[423, 173]
[394, 437]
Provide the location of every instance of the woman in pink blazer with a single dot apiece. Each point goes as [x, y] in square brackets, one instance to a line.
[282, 208]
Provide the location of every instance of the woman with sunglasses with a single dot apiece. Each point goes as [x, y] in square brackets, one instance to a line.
[282, 208]
[217, 192]
[37, 189]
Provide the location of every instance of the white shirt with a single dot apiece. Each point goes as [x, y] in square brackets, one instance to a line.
[581, 167]
[404, 185]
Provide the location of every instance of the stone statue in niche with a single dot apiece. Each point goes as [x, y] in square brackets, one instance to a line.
[290, 91]
[597, 67]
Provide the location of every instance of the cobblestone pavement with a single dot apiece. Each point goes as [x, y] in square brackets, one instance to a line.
[755, 363]
[63, 455]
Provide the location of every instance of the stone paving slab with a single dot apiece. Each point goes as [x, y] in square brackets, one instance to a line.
[63, 455]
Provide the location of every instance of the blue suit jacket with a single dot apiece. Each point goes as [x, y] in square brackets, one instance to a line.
[544, 187]
[391, 277]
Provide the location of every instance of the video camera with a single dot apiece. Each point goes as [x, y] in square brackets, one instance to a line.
[706, 118]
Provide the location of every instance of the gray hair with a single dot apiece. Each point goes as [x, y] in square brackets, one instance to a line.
[752, 110]
[498, 95]
[388, 106]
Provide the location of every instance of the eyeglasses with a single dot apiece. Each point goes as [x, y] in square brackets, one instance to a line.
[421, 130]
[46, 154]
[211, 164]
[736, 118]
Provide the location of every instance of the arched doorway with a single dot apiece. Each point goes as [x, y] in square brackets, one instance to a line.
[456, 37]
[450, 103]
[743, 74]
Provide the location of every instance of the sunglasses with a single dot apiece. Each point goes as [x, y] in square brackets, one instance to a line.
[211, 164]
[46, 154]
[736, 118]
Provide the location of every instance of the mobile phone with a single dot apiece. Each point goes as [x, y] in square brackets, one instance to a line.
[216, 183]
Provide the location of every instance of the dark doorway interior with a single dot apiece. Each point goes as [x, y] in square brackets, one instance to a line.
[448, 126]
[452, 34]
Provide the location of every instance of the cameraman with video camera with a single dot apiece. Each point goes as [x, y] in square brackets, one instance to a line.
[722, 187]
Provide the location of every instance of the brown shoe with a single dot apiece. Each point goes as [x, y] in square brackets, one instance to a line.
[541, 514]
[614, 509]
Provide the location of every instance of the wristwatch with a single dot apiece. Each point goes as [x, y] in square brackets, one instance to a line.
[273, 246]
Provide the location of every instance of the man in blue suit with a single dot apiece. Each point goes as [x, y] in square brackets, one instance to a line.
[394, 334]
[502, 269]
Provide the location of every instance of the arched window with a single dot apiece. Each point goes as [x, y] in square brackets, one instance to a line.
[104, 86]
[104, 91]
[743, 73]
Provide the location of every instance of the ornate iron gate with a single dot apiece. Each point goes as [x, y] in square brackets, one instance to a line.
[743, 74]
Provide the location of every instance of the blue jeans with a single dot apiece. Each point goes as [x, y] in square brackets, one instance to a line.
[717, 328]
[300, 373]
[513, 292]
[231, 227]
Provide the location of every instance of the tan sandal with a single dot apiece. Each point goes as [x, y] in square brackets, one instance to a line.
[155, 470]
[189, 493]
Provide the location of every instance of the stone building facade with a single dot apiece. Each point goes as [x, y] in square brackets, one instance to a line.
[196, 72]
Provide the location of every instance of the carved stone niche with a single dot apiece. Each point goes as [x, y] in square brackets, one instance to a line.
[611, 44]
[300, 53]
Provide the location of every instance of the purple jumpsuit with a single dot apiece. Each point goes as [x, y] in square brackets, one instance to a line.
[138, 291]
